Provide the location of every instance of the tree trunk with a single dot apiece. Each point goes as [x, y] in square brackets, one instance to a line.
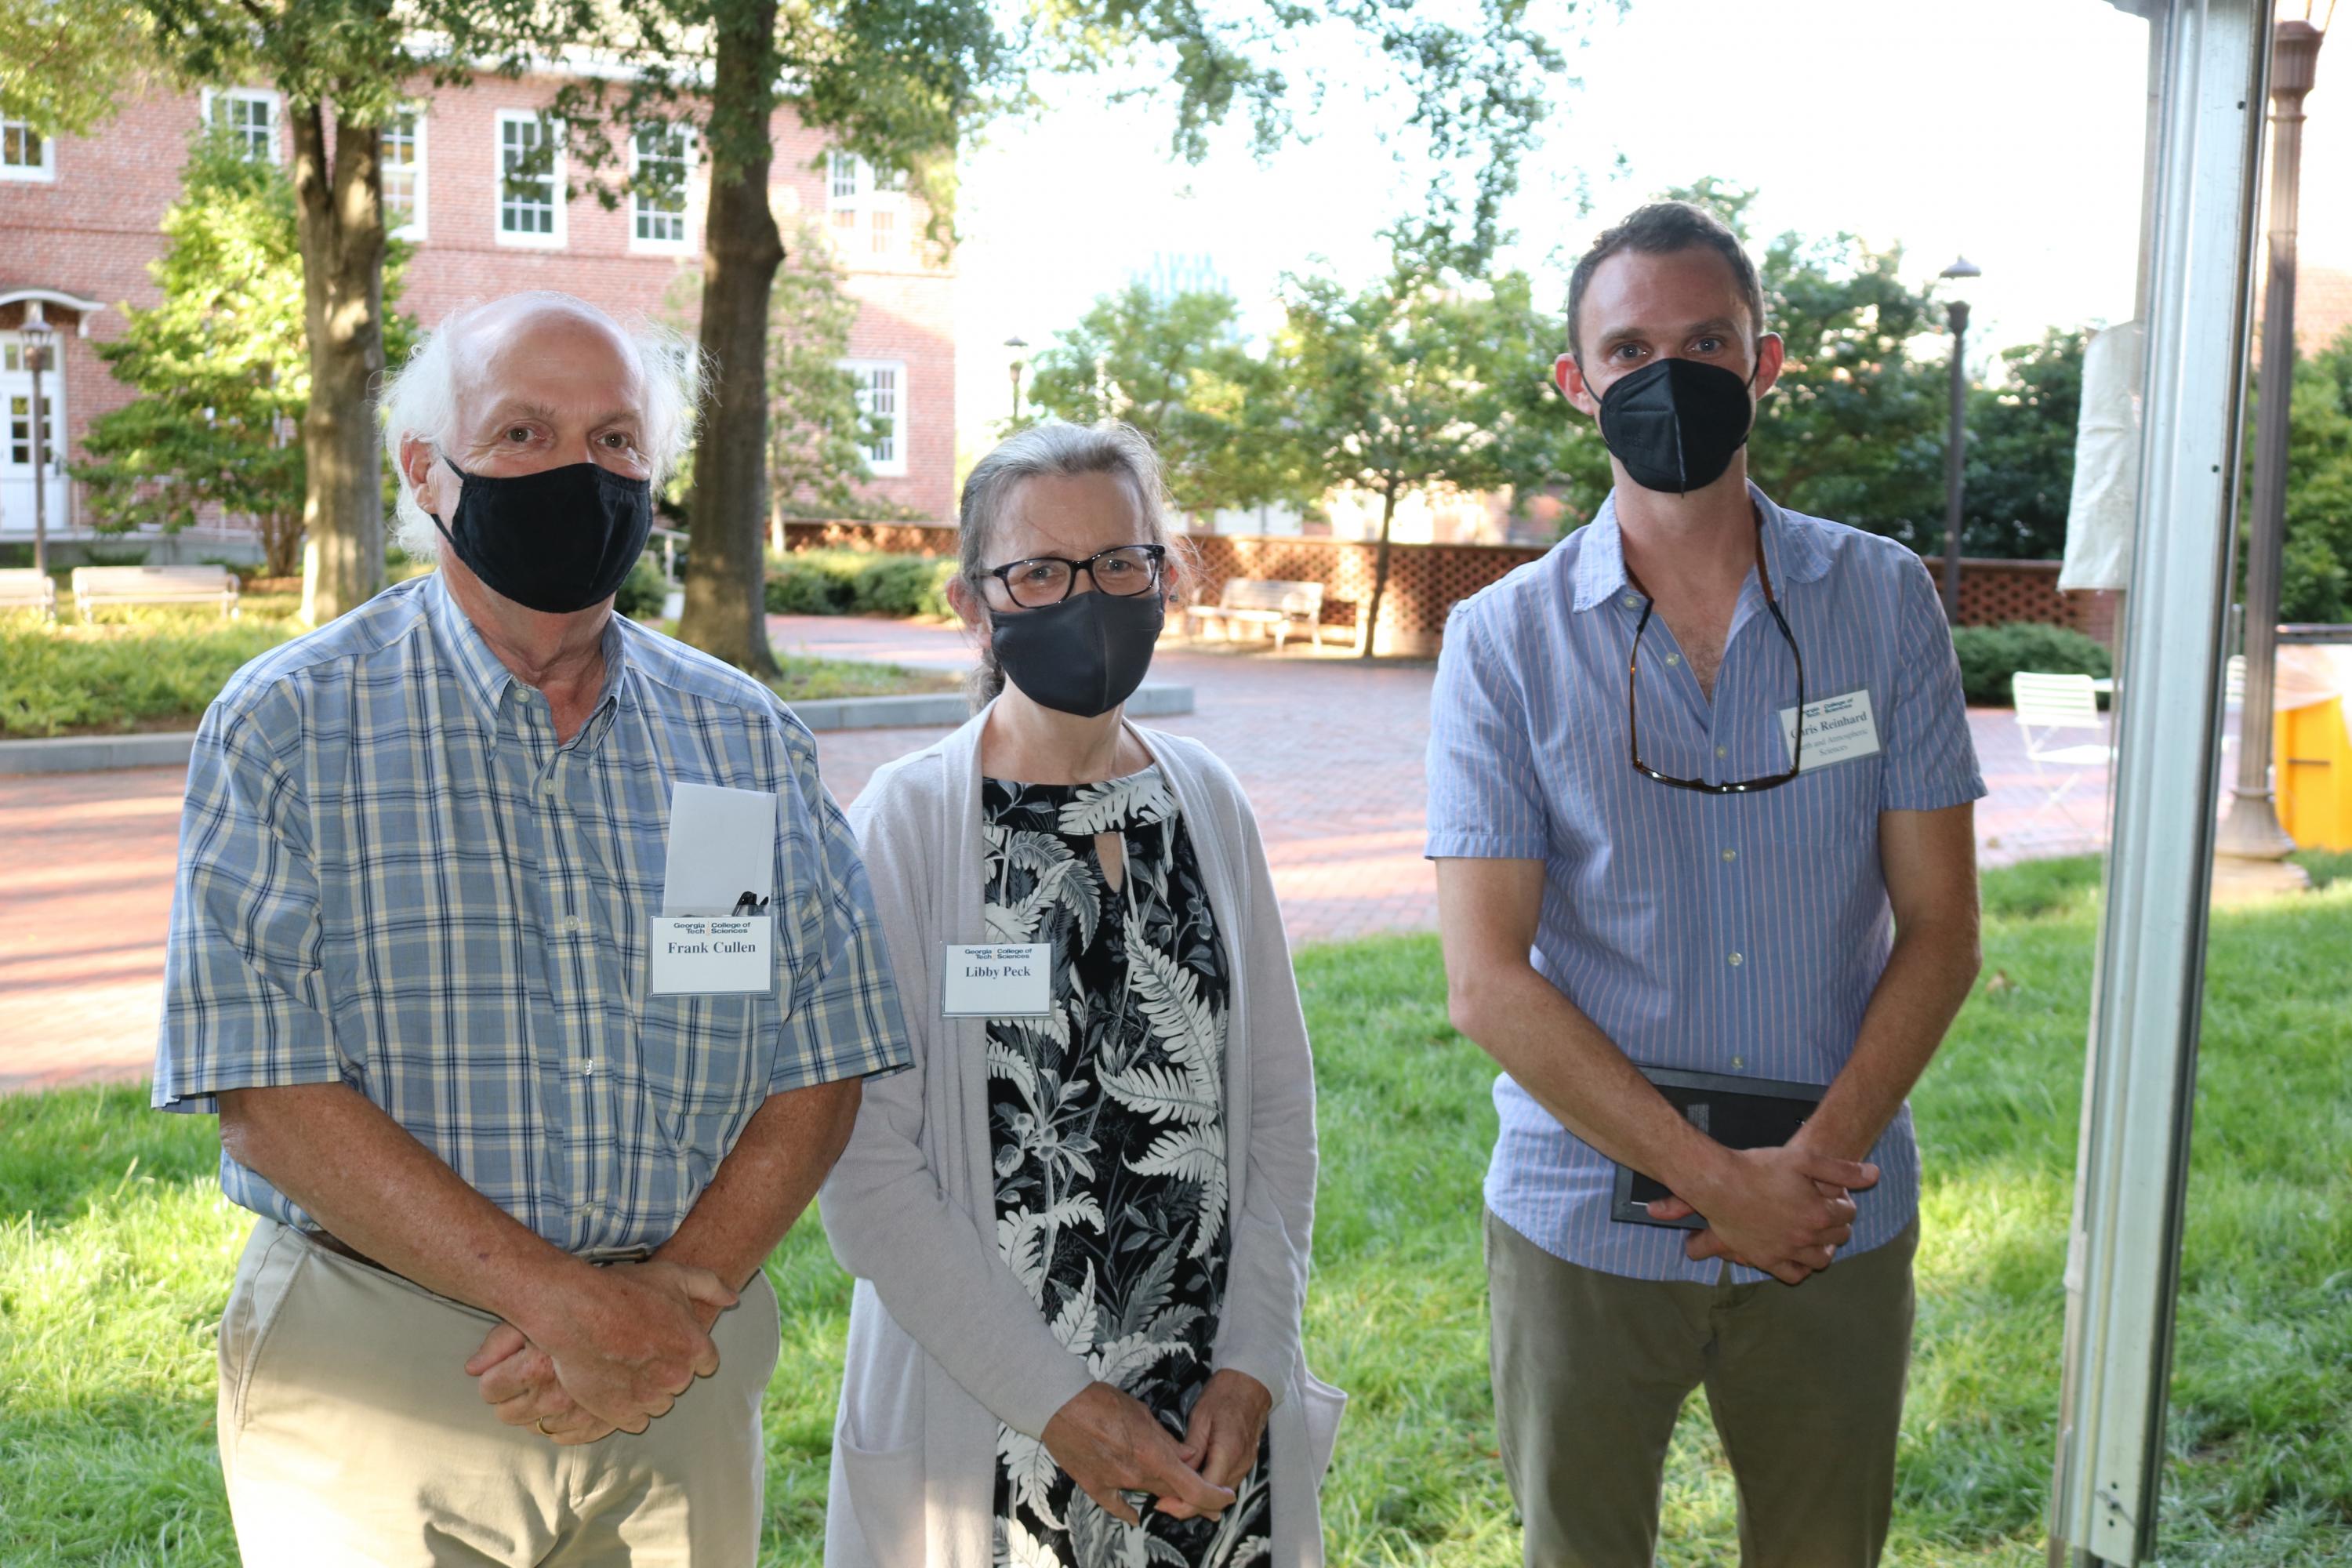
[1379, 573]
[726, 610]
[338, 222]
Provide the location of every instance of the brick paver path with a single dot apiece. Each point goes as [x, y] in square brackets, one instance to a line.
[1329, 748]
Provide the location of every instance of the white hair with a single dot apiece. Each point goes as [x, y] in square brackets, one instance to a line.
[420, 399]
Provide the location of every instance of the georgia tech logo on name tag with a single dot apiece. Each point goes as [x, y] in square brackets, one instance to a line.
[1837, 730]
[1014, 981]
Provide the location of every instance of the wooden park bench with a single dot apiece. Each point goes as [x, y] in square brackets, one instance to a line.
[28, 588]
[95, 587]
[1269, 603]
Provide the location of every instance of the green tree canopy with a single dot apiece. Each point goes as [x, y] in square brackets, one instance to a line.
[221, 366]
[1175, 367]
[1421, 380]
[67, 63]
[2019, 476]
[817, 434]
[2316, 580]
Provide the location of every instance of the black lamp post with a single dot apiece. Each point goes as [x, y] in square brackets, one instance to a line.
[1956, 312]
[38, 338]
[1016, 343]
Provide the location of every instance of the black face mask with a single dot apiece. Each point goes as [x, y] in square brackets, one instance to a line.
[557, 541]
[1084, 656]
[1675, 423]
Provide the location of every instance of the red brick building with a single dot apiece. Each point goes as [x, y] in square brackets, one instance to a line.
[79, 222]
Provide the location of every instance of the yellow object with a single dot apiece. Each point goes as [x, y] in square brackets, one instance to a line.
[2314, 776]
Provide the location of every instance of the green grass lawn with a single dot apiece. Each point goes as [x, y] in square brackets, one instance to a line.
[158, 668]
[117, 1253]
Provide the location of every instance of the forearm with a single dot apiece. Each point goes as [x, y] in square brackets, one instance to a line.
[766, 1182]
[1927, 979]
[1577, 1075]
[380, 1191]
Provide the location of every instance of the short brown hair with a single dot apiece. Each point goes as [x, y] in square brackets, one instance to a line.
[1662, 228]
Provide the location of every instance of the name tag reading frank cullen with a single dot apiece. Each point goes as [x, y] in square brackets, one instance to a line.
[1837, 730]
[1012, 982]
[707, 955]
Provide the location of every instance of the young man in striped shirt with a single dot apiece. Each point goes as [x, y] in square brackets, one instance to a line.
[1701, 791]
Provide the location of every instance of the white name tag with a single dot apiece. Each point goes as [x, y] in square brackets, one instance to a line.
[711, 954]
[1015, 982]
[1837, 730]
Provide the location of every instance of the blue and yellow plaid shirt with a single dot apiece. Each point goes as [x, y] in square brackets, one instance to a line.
[393, 876]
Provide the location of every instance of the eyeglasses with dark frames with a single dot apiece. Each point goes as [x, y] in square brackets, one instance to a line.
[1632, 687]
[1124, 572]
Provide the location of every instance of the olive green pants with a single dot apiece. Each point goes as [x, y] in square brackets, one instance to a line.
[1806, 1386]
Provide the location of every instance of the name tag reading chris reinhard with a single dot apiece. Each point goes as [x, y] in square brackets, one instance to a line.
[711, 954]
[1004, 982]
[1837, 730]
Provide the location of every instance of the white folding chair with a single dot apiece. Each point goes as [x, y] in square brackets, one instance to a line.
[2046, 705]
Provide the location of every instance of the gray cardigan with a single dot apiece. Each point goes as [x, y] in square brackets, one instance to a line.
[944, 1340]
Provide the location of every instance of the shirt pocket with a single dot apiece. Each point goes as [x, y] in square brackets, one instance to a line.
[707, 1061]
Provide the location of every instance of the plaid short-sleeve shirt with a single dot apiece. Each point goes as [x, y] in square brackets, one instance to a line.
[391, 875]
[1740, 934]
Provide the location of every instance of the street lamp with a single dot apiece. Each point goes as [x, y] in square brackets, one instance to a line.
[1957, 312]
[1016, 343]
[2251, 831]
[38, 337]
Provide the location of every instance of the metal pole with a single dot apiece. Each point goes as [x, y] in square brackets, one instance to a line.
[2123, 1261]
[2251, 830]
[1954, 456]
[34, 356]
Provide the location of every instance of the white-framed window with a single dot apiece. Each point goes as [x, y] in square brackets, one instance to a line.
[26, 153]
[657, 216]
[251, 116]
[530, 179]
[860, 198]
[882, 397]
[404, 171]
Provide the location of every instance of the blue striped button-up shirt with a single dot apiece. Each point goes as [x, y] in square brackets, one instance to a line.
[393, 875]
[1740, 934]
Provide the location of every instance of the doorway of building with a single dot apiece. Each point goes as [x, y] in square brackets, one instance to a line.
[17, 477]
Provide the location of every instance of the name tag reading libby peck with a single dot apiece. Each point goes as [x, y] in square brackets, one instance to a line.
[1837, 730]
[712, 953]
[1014, 981]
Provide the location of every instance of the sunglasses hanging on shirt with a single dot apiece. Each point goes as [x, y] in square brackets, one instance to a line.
[1632, 689]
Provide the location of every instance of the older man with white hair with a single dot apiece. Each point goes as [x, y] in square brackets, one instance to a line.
[519, 1129]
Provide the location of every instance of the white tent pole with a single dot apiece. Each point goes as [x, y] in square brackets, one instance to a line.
[2123, 1262]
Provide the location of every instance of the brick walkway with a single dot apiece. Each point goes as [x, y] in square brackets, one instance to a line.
[1331, 755]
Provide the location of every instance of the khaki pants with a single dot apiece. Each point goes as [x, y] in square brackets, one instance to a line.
[1805, 1385]
[351, 1434]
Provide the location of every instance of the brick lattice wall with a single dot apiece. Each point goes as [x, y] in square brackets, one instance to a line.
[1426, 581]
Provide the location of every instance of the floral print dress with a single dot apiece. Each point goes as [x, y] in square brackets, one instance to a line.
[1106, 1122]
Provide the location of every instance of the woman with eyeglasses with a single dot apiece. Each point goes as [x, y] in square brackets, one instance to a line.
[1080, 1223]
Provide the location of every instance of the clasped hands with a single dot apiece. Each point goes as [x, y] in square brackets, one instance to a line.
[1785, 1211]
[1110, 1443]
[611, 1352]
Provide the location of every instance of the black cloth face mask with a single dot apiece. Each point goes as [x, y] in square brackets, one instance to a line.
[1084, 656]
[558, 540]
[1675, 423]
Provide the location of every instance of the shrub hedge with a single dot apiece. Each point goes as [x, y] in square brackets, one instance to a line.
[1990, 654]
[858, 582]
[64, 682]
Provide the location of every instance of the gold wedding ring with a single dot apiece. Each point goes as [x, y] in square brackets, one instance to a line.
[541, 1424]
